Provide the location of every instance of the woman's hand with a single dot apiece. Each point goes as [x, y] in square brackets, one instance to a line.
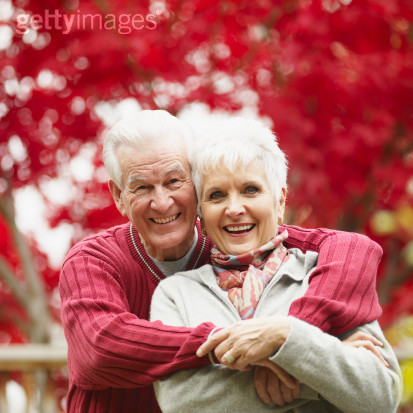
[271, 387]
[361, 339]
[247, 341]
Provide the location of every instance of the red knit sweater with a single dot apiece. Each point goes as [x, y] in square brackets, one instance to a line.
[115, 353]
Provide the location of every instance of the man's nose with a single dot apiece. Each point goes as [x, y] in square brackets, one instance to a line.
[161, 200]
[235, 207]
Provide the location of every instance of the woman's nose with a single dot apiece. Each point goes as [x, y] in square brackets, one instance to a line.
[161, 200]
[235, 207]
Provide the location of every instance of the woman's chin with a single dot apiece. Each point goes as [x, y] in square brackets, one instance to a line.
[237, 249]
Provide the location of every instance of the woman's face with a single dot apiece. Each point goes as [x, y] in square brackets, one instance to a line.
[239, 210]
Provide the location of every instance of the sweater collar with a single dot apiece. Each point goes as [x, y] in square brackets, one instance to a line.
[139, 253]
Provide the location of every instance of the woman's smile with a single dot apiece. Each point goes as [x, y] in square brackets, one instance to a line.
[237, 230]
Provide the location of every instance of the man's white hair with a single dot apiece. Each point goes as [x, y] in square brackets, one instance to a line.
[143, 128]
[225, 144]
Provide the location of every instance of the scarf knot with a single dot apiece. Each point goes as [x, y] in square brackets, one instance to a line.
[245, 276]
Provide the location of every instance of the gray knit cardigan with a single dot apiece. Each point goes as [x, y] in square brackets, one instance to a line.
[334, 377]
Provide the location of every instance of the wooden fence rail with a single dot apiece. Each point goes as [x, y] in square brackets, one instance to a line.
[34, 364]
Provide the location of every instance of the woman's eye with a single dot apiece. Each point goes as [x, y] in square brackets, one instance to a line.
[216, 195]
[251, 190]
[173, 181]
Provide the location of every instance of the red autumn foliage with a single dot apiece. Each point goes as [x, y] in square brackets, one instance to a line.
[334, 77]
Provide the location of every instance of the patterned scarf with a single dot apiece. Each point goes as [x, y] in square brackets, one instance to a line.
[245, 276]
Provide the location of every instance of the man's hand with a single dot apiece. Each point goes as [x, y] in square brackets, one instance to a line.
[248, 341]
[270, 388]
[361, 339]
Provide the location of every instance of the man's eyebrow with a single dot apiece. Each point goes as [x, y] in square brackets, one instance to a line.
[176, 168]
[133, 179]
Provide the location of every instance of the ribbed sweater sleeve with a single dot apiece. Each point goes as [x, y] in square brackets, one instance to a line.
[342, 291]
[105, 308]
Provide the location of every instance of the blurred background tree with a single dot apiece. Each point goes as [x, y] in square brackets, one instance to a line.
[333, 78]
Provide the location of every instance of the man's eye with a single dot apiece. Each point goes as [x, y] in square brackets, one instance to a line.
[173, 181]
[251, 190]
[216, 195]
[141, 188]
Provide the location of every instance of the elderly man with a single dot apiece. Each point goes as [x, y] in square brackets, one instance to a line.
[107, 280]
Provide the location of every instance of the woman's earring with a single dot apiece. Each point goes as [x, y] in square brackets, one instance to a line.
[203, 230]
[280, 220]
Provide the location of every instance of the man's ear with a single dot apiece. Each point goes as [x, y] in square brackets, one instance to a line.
[281, 205]
[116, 194]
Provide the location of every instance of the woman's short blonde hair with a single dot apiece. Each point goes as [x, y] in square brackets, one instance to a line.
[236, 142]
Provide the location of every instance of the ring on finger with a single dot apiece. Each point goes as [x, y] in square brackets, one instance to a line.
[229, 357]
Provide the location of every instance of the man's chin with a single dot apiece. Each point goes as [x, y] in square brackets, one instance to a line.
[173, 240]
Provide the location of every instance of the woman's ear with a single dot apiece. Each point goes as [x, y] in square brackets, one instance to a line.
[281, 206]
[116, 195]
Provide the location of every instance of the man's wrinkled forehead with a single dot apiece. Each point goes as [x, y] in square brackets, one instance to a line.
[176, 169]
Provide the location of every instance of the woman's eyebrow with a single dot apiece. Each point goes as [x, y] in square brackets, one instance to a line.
[211, 189]
[251, 182]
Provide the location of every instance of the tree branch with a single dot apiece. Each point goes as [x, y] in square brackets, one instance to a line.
[11, 282]
[33, 298]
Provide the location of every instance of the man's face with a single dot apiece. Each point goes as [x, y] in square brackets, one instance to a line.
[158, 197]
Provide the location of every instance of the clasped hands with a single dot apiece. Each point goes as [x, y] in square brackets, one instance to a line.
[251, 342]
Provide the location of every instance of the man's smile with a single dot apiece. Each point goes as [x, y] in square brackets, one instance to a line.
[165, 220]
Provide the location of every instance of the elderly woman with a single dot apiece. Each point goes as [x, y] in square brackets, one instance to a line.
[240, 180]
